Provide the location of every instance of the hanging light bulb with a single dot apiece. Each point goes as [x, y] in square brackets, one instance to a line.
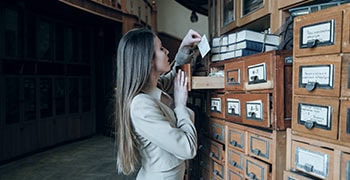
[194, 17]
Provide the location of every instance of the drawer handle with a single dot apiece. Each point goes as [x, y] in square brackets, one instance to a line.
[233, 143]
[308, 167]
[233, 163]
[252, 114]
[256, 151]
[216, 172]
[309, 124]
[251, 176]
[310, 86]
[232, 80]
[216, 136]
[312, 43]
[211, 154]
[254, 78]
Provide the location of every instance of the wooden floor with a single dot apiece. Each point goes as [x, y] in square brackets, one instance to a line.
[88, 159]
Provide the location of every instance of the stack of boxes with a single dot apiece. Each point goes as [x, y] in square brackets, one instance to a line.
[318, 145]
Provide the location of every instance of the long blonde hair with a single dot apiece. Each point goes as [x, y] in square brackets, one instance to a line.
[134, 59]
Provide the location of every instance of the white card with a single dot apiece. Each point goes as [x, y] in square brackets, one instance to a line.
[203, 46]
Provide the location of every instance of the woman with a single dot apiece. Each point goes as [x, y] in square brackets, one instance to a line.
[151, 131]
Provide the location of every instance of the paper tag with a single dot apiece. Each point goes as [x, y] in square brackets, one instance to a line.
[203, 46]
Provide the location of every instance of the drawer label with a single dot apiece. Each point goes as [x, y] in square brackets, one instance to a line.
[257, 73]
[320, 34]
[322, 76]
[233, 77]
[254, 110]
[312, 162]
[315, 116]
[233, 107]
[216, 105]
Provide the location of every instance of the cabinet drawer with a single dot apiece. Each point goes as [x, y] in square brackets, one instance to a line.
[217, 152]
[318, 33]
[217, 130]
[345, 75]
[287, 175]
[260, 147]
[345, 166]
[235, 160]
[317, 75]
[235, 138]
[258, 72]
[316, 115]
[344, 126]
[346, 32]
[234, 175]
[234, 75]
[256, 169]
[233, 111]
[256, 110]
[217, 105]
[312, 160]
[218, 170]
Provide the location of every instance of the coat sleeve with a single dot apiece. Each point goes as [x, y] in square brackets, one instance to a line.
[153, 124]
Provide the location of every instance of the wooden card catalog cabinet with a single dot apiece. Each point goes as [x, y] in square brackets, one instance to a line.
[312, 160]
[344, 126]
[316, 115]
[319, 32]
[318, 75]
[217, 105]
[234, 75]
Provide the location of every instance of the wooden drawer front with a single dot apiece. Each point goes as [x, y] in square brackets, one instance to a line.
[218, 170]
[234, 175]
[318, 33]
[345, 75]
[316, 115]
[260, 147]
[287, 175]
[258, 72]
[235, 160]
[217, 130]
[312, 160]
[217, 105]
[233, 110]
[234, 75]
[346, 32]
[256, 110]
[317, 75]
[255, 169]
[236, 138]
[344, 127]
[345, 167]
[217, 152]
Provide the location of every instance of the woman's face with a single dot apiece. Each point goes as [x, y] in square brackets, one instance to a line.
[161, 63]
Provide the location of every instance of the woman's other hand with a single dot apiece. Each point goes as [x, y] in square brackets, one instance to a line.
[180, 89]
[191, 39]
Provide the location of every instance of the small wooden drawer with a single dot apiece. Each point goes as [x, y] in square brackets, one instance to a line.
[318, 75]
[218, 170]
[217, 129]
[233, 111]
[315, 161]
[345, 75]
[217, 105]
[346, 32]
[234, 75]
[316, 115]
[287, 175]
[256, 169]
[318, 33]
[260, 147]
[344, 126]
[234, 175]
[235, 160]
[345, 166]
[217, 152]
[256, 110]
[235, 137]
[258, 72]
